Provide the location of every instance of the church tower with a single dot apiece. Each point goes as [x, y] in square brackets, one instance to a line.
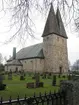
[55, 44]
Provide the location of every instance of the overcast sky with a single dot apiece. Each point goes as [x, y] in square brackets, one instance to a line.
[6, 50]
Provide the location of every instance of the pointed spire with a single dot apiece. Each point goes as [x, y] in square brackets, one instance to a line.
[60, 24]
[51, 24]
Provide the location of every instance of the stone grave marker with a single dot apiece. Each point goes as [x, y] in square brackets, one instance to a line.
[1, 79]
[10, 75]
[22, 77]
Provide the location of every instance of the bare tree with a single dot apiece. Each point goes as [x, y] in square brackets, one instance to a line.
[76, 65]
[1, 58]
[5, 59]
[21, 11]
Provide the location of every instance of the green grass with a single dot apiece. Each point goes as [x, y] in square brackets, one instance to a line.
[17, 87]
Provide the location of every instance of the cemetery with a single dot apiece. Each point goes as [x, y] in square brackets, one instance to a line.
[29, 83]
[39, 74]
[40, 67]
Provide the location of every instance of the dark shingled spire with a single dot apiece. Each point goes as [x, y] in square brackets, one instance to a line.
[60, 25]
[51, 24]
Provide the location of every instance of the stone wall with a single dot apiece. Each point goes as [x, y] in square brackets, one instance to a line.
[13, 68]
[55, 52]
[71, 88]
[30, 65]
[33, 65]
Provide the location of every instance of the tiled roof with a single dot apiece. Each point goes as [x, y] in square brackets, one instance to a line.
[14, 62]
[34, 51]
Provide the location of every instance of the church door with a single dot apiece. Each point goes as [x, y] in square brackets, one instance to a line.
[60, 69]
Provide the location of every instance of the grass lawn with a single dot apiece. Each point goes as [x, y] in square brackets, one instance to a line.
[17, 87]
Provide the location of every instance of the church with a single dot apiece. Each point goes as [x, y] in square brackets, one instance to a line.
[49, 56]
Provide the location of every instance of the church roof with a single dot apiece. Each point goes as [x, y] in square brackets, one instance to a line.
[51, 25]
[60, 24]
[14, 62]
[54, 24]
[34, 51]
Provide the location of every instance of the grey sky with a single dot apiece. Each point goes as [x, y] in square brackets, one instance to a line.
[6, 50]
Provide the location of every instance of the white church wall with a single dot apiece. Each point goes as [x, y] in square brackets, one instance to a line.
[13, 68]
[33, 65]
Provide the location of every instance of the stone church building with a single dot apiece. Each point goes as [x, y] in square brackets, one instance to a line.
[49, 56]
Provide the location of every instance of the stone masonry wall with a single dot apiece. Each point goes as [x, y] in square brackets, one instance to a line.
[33, 65]
[71, 88]
[55, 52]
[13, 68]
[30, 65]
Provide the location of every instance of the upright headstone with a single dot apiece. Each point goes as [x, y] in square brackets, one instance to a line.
[49, 76]
[3, 76]
[22, 77]
[2, 86]
[1, 79]
[37, 78]
[54, 80]
[44, 76]
[10, 75]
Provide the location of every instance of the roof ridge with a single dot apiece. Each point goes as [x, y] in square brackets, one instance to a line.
[28, 47]
[33, 45]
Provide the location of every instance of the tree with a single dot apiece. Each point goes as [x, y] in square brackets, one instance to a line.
[5, 59]
[1, 68]
[76, 65]
[21, 11]
[69, 65]
[1, 58]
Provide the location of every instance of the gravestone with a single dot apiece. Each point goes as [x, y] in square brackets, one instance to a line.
[59, 75]
[69, 77]
[54, 80]
[2, 86]
[10, 75]
[34, 76]
[1, 79]
[37, 78]
[37, 82]
[3, 76]
[22, 77]
[49, 75]
[44, 76]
